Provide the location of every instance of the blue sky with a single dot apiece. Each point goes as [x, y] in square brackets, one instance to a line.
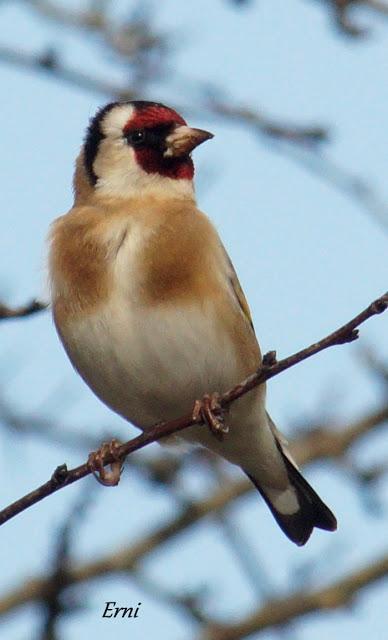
[308, 257]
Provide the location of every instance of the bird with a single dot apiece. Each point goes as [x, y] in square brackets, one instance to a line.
[149, 309]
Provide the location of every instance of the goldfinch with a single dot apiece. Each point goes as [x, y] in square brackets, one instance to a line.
[149, 308]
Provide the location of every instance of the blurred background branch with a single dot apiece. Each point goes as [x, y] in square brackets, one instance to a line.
[319, 443]
[142, 53]
[297, 93]
[21, 312]
[281, 611]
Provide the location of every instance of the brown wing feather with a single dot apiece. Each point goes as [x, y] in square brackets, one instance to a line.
[239, 293]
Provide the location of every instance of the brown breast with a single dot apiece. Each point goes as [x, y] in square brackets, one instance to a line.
[78, 262]
[179, 259]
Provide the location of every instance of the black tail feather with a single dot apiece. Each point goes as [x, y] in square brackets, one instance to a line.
[312, 512]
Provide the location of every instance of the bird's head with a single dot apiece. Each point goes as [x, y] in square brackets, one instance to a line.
[139, 148]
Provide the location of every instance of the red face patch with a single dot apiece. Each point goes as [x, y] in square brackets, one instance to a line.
[151, 159]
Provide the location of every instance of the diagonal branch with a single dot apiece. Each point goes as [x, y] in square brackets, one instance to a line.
[318, 445]
[62, 477]
[258, 121]
[50, 64]
[283, 610]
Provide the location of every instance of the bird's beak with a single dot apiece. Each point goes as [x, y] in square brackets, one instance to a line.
[183, 140]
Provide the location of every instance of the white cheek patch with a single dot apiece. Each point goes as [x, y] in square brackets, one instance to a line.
[115, 120]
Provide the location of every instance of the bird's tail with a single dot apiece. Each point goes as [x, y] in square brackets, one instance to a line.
[298, 509]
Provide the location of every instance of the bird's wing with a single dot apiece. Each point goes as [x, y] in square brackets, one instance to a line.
[281, 440]
[239, 293]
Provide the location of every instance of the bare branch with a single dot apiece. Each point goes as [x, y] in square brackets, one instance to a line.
[87, 19]
[302, 141]
[62, 477]
[245, 555]
[353, 186]
[265, 125]
[52, 66]
[190, 602]
[321, 444]
[378, 6]
[70, 76]
[341, 9]
[373, 474]
[21, 312]
[134, 43]
[376, 365]
[283, 610]
[54, 602]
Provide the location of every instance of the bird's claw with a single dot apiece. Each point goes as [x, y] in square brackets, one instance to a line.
[210, 411]
[96, 461]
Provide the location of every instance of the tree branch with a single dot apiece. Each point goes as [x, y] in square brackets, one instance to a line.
[318, 445]
[50, 65]
[62, 477]
[305, 135]
[55, 603]
[21, 312]
[342, 8]
[283, 610]
[377, 5]
[299, 143]
[135, 39]
[321, 442]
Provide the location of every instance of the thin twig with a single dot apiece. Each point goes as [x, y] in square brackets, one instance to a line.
[341, 9]
[245, 555]
[62, 477]
[299, 143]
[50, 64]
[354, 186]
[311, 447]
[378, 6]
[54, 601]
[267, 126]
[376, 366]
[70, 76]
[190, 602]
[345, 24]
[283, 610]
[138, 36]
[21, 312]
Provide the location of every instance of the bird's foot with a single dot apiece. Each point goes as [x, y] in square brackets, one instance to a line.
[96, 461]
[211, 412]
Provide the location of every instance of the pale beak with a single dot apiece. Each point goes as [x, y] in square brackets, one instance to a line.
[183, 140]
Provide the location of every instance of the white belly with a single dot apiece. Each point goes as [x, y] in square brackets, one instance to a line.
[151, 365]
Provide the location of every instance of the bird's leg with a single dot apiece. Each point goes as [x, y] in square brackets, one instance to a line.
[96, 463]
[210, 411]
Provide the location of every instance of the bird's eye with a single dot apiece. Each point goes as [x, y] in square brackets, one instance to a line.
[136, 138]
